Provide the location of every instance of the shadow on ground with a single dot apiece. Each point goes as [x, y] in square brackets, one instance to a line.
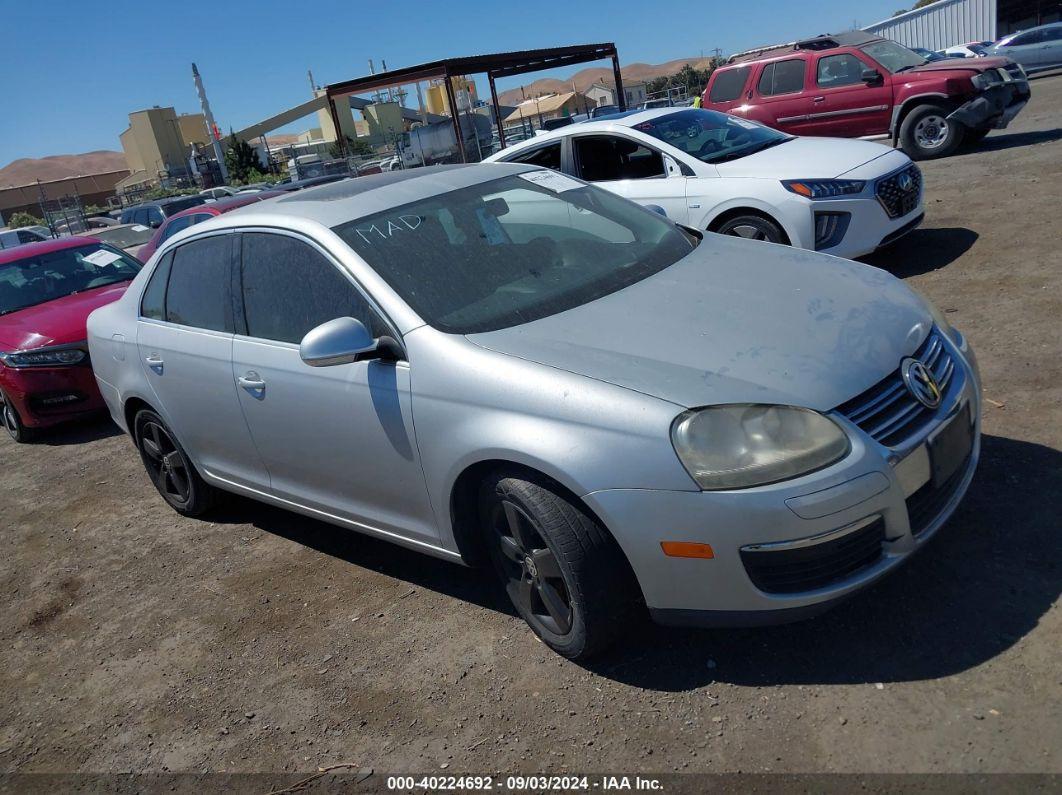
[922, 251]
[999, 141]
[82, 431]
[979, 586]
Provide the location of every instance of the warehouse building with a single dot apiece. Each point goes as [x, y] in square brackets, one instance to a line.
[949, 22]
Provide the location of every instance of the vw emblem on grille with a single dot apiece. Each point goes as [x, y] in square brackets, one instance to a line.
[906, 182]
[920, 382]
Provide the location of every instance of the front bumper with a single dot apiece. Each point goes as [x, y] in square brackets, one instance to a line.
[45, 396]
[872, 483]
[996, 106]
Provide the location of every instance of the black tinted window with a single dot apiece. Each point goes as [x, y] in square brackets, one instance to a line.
[199, 293]
[840, 70]
[604, 158]
[545, 156]
[290, 288]
[174, 207]
[728, 84]
[783, 77]
[153, 304]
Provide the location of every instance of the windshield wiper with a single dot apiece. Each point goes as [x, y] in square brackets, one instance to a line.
[748, 151]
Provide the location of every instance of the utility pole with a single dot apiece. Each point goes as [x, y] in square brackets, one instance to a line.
[313, 85]
[211, 127]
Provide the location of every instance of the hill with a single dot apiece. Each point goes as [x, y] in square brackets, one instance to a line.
[583, 79]
[27, 170]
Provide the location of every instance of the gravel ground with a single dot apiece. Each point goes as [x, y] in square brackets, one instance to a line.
[136, 640]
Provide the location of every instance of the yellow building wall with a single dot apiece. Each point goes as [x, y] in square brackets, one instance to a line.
[435, 98]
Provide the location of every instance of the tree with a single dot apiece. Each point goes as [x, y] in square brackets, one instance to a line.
[21, 219]
[354, 148]
[240, 159]
[919, 4]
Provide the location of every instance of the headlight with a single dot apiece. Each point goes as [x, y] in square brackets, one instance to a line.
[43, 357]
[823, 188]
[746, 444]
[986, 79]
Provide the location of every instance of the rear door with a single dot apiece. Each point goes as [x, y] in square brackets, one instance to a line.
[184, 338]
[780, 96]
[633, 169]
[337, 439]
[842, 104]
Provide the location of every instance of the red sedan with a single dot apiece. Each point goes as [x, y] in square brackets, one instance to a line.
[47, 291]
[196, 215]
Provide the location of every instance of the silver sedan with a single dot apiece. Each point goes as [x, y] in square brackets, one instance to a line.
[500, 364]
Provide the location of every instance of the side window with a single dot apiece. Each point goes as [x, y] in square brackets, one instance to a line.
[839, 70]
[546, 156]
[290, 288]
[728, 84]
[604, 158]
[153, 303]
[1032, 37]
[1052, 34]
[199, 292]
[782, 77]
[176, 225]
[25, 236]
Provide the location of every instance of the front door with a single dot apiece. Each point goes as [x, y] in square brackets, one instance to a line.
[336, 439]
[184, 339]
[842, 104]
[632, 169]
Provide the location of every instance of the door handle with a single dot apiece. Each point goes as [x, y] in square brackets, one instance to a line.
[252, 382]
[154, 361]
[819, 99]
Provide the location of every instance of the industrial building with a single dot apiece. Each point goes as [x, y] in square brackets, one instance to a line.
[551, 106]
[949, 22]
[158, 144]
[605, 94]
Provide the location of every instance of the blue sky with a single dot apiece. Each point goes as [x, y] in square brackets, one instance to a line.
[73, 71]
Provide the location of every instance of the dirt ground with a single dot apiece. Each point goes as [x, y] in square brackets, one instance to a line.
[136, 640]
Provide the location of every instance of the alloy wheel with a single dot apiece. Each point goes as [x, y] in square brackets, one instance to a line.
[533, 576]
[165, 463]
[931, 131]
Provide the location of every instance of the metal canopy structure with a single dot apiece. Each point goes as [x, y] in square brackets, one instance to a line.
[504, 64]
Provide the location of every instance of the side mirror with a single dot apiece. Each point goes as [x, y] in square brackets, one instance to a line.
[871, 76]
[342, 341]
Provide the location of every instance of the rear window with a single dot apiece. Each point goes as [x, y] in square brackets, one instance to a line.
[782, 77]
[172, 208]
[548, 156]
[728, 84]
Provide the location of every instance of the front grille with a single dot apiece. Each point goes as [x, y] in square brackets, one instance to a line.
[925, 505]
[896, 200]
[815, 566]
[887, 411]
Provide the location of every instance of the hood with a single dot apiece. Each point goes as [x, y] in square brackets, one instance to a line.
[56, 322]
[735, 321]
[959, 64]
[805, 158]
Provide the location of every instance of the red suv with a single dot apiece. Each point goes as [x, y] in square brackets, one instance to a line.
[854, 85]
[47, 291]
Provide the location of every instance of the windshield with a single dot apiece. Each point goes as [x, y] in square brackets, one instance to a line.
[512, 250]
[124, 236]
[38, 279]
[712, 136]
[894, 57]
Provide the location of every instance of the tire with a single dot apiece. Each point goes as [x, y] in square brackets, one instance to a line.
[927, 133]
[565, 575]
[16, 428]
[168, 466]
[752, 227]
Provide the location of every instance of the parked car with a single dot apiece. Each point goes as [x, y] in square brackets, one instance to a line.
[309, 182]
[603, 110]
[130, 238]
[498, 362]
[196, 215]
[857, 85]
[721, 173]
[10, 238]
[221, 192]
[154, 213]
[47, 290]
[1037, 49]
[972, 49]
[255, 187]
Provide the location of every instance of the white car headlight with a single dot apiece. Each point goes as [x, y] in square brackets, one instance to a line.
[940, 320]
[747, 444]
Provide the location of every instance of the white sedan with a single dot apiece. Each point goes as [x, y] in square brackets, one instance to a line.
[719, 173]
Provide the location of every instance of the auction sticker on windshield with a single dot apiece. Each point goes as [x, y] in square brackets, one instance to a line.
[551, 180]
[102, 257]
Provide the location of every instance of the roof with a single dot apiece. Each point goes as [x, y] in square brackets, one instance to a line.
[343, 201]
[27, 250]
[549, 104]
[827, 41]
[628, 118]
